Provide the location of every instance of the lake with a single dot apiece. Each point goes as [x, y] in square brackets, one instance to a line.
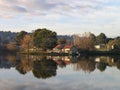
[20, 72]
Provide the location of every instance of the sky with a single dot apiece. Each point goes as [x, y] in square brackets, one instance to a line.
[62, 16]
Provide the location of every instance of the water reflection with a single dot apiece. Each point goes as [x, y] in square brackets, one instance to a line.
[8, 61]
[87, 64]
[46, 66]
[25, 65]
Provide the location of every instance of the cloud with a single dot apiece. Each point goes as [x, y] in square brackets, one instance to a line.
[42, 85]
[78, 15]
[48, 7]
[56, 84]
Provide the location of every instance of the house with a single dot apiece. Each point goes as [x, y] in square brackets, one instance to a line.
[65, 49]
[70, 49]
[113, 47]
[100, 46]
[74, 50]
[58, 48]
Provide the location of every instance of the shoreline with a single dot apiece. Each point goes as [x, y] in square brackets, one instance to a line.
[81, 53]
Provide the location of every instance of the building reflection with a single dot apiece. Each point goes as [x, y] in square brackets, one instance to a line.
[46, 66]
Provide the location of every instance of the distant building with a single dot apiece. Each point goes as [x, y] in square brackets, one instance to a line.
[58, 48]
[65, 49]
[100, 46]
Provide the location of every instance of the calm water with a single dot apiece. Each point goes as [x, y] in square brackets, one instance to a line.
[59, 73]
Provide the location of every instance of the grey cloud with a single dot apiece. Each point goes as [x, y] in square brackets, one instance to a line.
[55, 84]
[40, 5]
[12, 9]
[45, 7]
[46, 86]
[76, 7]
[19, 9]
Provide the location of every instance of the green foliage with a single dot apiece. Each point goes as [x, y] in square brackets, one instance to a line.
[101, 38]
[45, 39]
[20, 36]
[101, 66]
[93, 37]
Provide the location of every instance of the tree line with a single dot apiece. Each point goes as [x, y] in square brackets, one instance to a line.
[46, 39]
[88, 41]
[40, 38]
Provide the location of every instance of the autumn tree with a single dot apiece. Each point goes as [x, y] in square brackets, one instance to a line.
[20, 36]
[26, 42]
[25, 65]
[44, 38]
[85, 41]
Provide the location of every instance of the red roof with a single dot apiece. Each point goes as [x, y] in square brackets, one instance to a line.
[68, 46]
[59, 46]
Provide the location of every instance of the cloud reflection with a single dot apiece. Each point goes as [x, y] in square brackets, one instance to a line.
[7, 85]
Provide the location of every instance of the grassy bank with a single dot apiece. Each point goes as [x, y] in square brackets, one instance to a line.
[46, 53]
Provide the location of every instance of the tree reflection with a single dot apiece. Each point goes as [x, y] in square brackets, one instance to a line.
[61, 63]
[101, 66]
[24, 65]
[118, 64]
[86, 64]
[12, 59]
[44, 68]
[7, 61]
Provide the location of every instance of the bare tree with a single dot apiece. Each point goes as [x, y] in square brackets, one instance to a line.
[86, 41]
[26, 42]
